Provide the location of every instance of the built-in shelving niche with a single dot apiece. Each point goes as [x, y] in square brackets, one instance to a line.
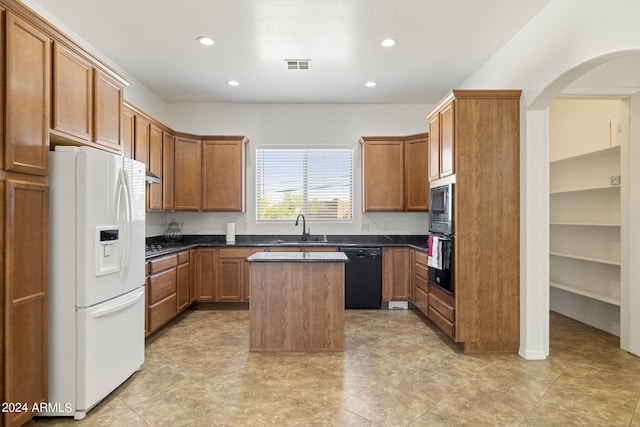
[585, 200]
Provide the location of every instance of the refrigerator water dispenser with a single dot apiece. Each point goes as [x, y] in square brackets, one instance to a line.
[107, 250]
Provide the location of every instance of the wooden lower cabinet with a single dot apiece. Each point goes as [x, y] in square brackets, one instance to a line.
[233, 274]
[442, 310]
[24, 219]
[183, 282]
[161, 294]
[419, 284]
[192, 276]
[395, 274]
[170, 286]
[205, 274]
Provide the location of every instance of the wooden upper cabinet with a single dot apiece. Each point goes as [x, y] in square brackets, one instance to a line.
[394, 173]
[72, 94]
[188, 174]
[107, 110]
[141, 140]
[154, 190]
[128, 132]
[223, 174]
[168, 175]
[415, 168]
[447, 140]
[434, 147]
[383, 173]
[442, 142]
[27, 114]
[87, 102]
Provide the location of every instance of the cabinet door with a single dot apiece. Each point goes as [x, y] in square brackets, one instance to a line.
[154, 191]
[27, 114]
[128, 135]
[223, 176]
[141, 140]
[416, 180]
[434, 147]
[188, 174]
[447, 128]
[107, 105]
[168, 175]
[182, 286]
[205, 274]
[230, 279]
[383, 175]
[192, 275]
[26, 288]
[72, 94]
[395, 274]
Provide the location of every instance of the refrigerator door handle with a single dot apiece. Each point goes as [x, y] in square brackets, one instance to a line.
[122, 212]
[119, 305]
[128, 222]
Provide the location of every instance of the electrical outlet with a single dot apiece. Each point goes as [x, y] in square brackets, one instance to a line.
[615, 180]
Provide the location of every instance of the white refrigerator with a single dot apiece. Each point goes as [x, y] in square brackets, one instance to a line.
[96, 277]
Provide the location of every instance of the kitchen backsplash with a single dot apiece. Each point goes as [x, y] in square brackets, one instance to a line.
[215, 223]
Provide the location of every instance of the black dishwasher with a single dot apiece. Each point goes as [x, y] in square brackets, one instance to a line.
[363, 277]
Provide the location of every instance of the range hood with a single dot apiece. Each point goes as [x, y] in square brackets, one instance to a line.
[152, 178]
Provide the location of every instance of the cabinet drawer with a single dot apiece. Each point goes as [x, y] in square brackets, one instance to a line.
[444, 309]
[183, 257]
[162, 312]
[442, 322]
[421, 301]
[163, 263]
[162, 285]
[421, 283]
[421, 258]
[421, 270]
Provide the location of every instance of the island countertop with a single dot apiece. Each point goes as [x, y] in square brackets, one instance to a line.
[298, 257]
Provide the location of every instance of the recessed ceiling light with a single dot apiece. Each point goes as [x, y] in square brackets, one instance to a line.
[233, 83]
[206, 40]
[371, 84]
[389, 42]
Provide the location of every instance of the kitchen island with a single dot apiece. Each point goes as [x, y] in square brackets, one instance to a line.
[297, 301]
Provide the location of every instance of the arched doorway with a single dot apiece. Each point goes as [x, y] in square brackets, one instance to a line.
[613, 74]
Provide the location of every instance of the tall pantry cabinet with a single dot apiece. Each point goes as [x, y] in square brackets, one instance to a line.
[474, 142]
[24, 202]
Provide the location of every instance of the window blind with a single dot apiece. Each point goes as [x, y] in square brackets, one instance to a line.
[315, 182]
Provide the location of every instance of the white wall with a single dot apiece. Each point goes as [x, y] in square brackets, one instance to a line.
[293, 124]
[566, 39]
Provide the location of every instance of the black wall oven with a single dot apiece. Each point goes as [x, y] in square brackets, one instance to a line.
[441, 237]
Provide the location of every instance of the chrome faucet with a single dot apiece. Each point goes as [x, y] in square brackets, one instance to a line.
[304, 227]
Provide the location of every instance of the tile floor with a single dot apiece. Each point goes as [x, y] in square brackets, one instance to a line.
[397, 370]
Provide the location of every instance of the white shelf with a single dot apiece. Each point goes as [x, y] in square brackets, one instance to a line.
[588, 294]
[574, 190]
[585, 258]
[604, 150]
[584, 224]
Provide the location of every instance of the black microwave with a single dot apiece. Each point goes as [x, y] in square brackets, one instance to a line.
[441, 209]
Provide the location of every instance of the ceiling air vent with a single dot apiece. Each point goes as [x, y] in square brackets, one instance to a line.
[298, 64]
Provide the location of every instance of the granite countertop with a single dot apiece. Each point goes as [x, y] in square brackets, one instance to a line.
[298, 257]
[157, 246]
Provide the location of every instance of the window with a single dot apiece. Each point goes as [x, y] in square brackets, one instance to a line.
[315, 182]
